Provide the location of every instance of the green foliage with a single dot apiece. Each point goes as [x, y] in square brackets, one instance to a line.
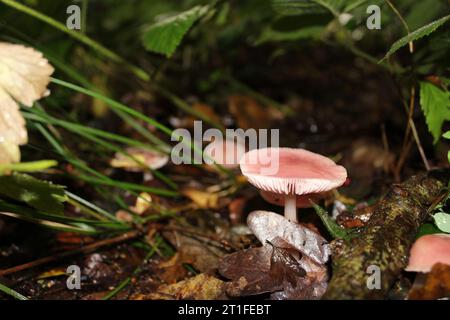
[442, 221]
[38, 194]
[435, 105]
[427, 228]
[310, 26]
[164, 37]
[295, 7]
[447, 136]
[419, 33]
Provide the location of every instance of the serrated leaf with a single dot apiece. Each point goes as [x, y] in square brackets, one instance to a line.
[419, 33]
[164, 36]
[39, 194]
[442, 221]
[435, 105]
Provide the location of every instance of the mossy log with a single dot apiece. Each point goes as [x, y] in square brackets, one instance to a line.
[386, 239]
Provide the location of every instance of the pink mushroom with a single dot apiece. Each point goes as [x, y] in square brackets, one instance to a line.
[295, 174]
[301, 202]
[429, 250]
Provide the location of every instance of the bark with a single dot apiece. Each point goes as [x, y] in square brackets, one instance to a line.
[386, 240]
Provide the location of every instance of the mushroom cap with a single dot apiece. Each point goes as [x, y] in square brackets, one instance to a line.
[153, 159]
[291, 171]
[301, 201]
[225, 152]
[429, 250]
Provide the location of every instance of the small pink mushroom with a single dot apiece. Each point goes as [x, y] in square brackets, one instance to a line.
[429, 250]
[292, 174]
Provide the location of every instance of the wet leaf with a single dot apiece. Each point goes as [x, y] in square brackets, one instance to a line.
[200, 287]
[268, 225]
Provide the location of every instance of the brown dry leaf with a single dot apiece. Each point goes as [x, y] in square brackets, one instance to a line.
[250, 114]
[435, 286]
[24, 77]
[208, 111]
[200, 254]
[250, 273]
[172, 269]
[276, 270]
[200, 287]
[203, 199]
[268, 225]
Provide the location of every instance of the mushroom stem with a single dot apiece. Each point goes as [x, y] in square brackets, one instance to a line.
[290, 209]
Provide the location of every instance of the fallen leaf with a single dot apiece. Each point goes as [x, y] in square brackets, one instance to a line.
[276, 270]
[267, 226]
[143, 203]
[202, 255]
[203, 199]
[250, 114]
[52, 273]
[250, 272]
[200, 287]
[172, 269]
[24, 76]
[435, 286]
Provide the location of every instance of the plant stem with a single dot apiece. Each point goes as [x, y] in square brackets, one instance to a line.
[290, 208]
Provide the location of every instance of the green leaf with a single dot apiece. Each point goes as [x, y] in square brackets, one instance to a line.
[39, 194]
[446, 135]
[427, 228]
[419, 33]
[435, 105]
[442, 221]
[164, 36]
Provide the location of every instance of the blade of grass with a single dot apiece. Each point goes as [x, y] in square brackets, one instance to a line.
[28, 166]
[12, 293]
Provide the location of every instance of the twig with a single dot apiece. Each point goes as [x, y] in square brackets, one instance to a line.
[86, 249]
